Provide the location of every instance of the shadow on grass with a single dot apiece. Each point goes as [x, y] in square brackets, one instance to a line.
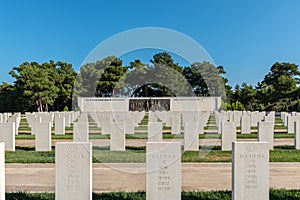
[107, 148]
[275, 194]
[284, 147]
[30, 148]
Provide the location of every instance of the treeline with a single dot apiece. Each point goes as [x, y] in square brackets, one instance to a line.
[55, 86]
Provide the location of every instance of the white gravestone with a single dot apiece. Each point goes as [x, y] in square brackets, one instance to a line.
[175, 123]
[2, 171]
[117, 136]
[16, 120]
[245, 125]
[255, 118]
[105, 125]
[129, 126]
[297, 135]
[191, 137]
[250, 171]
[228, 135]
[163, 170]
[35, 123]
[266, 133]
[60, 125]
[290, 123]
[43, 137]
[7, 135]
[73, 171]
[80, 132]
[155, 132]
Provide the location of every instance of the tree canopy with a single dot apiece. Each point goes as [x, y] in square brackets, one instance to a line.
[41, 86]
[56, 86]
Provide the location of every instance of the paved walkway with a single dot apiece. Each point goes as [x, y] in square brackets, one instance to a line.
[142, 142]
[131, 177]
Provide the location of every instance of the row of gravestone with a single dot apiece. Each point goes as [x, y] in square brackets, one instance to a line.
[228, 134]
[265, 126]
[81, 134]
[73, 171]
[289, 120]
[41, 124]
[60, 119]
[173, 119]
[117, 141]
[244, 119]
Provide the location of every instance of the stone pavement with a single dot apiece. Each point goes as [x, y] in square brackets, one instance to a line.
[142, 142]
[131, 177]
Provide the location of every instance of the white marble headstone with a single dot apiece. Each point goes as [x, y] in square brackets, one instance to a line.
[117, 136]
[191, 137]
[73, 171]
[250, 171]
[163, 170]
[43, 137]
[2, 171]
[228, 135]
[266, 133]
[175, 123]
[297, 135]
[155, 132]
[80, 132]
[7, 135]
[245, 125]
[60, 125]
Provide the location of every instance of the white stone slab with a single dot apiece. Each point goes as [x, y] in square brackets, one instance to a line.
[2, 171]
[73, 171]
[266, 133]
[163, 170]
[36, 121]
[68, 119]
[290, 123]
[255, 118]
[297, 135]
[162, 115]
[155, 132]
[46, 118]
[60, 125]
[43, 137]
[7, 135]
[129, 126]
[105, 125]
[117, 136]
[250, 171]
[169, 119]
[245, 125]
[80, 132]
[16, 120]
[175, 123]
[228, 136]
[191, 137]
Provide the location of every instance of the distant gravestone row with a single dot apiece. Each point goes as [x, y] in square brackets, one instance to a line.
[116, 124]
[265, 123]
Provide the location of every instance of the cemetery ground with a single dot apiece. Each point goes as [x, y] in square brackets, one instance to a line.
[30, 171]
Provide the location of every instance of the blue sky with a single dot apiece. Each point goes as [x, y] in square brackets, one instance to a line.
[246, 37]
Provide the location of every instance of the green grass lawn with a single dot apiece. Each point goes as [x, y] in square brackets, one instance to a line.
[275, 194]
[165, 136]
[137, 155]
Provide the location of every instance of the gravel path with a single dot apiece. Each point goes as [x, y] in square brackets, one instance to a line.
[131, 177]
